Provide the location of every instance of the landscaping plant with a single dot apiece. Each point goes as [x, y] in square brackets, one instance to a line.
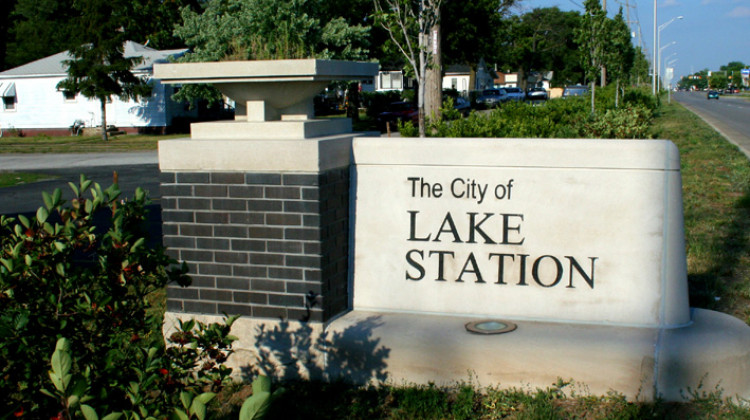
[62, 276]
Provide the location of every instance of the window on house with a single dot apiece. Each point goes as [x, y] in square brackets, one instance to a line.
[9, 103]
[391, 80]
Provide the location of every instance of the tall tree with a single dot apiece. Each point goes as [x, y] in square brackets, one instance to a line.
[411, 26]
[267, 29]
[41, 28]
[619, 53]
[592, 37]
[471, 31]
[543, 40]
[98, 68]
[6, 22]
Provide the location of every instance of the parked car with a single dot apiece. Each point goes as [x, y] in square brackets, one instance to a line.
[398, 111]
[491, 98]
[712, 94]
[514, 94]
[537, 94]
[576, 90]
[462, 105]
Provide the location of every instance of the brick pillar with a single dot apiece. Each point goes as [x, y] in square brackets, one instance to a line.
[266, 245]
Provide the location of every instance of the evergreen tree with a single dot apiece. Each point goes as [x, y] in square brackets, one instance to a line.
[592, 37]
[98, 68]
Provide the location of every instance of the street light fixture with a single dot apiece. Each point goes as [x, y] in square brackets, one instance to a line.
[658, 43]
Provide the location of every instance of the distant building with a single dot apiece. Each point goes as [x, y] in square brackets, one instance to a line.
[464, 78]
[32, 103]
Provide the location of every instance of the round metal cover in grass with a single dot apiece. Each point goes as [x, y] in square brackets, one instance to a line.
[490, 326]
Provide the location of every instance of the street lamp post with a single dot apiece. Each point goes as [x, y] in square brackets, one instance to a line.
[653, 60]
[658, 43]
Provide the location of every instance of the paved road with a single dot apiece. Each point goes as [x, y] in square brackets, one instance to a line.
[133, 169]
[729, 115]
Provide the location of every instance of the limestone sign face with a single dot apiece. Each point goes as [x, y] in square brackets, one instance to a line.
[562, 235]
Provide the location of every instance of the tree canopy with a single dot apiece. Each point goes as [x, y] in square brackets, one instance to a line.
[98, 68]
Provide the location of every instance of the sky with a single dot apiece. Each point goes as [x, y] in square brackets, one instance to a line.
[710, 34]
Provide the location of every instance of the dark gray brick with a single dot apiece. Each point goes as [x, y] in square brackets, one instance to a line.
[251, 297]
[265, 232]
[302, 261]
[283, 219]
[170, 229]
[302, 234]
[232, 283]
[303, 288]
[300, 179]
[182, 293]
[311, 220]
[267, 285]
[285, 247]
[228, 204]
[246, 218]
[206, 282]
[285, 273]
[231, 231]
[231, 257]
[312, 248]
[194, 204]
[218, 295]
[264, 179]
[313, 275]
[269, 312]
[266, 259]
[177, 216]
[288, 301]
[199, 307]
[283, 193]
[245, 191]
[196, 255]
[174, 305]
[179, 242]
[213, 244]
[301, 206]
[193, 178]
[227, 178]
[264, 205]
[248, 245]
[212, 217]
[312, 194]
[167, 177]
[196, 230]
[176, 190]
[168, 203]
[249, 271]
[230, 309]
[215, 269]
[211, 191]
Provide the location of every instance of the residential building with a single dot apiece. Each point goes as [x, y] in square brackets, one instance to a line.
[32, 103]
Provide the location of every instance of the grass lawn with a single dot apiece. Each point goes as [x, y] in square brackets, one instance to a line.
[81, 144]
[9, 179]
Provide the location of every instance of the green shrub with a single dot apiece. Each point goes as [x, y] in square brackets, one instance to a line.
[63, 276]
[558, 118]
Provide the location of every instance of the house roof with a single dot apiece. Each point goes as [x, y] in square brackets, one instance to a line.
[54, 64]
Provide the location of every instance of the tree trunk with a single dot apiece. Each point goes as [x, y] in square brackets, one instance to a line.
[103, 102]
[593, 97]
[433, 77]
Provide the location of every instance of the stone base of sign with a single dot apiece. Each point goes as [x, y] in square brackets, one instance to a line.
[397, 348]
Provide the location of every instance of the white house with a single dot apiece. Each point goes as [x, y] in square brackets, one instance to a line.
[464, 79]
[32, 103]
